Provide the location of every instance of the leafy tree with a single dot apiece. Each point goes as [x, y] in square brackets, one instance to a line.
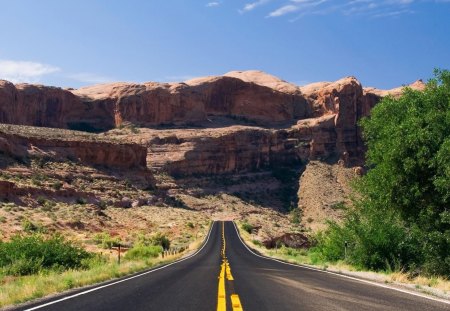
[402, 217]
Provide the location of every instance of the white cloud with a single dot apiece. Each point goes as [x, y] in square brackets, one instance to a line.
[296, 5]
[367, 8]
[88, 77]
[284, 10]
[252, 5]
[392, 13]
[212, 4]
[24, 71]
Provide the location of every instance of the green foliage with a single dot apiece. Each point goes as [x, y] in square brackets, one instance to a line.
[57, 185]
[161, 240]
[41, 200]
[143, 252]
[247, 227]
[25, 255]
[81, 201]
[296, 216]
[402, 217]
[31, 227]
[106, 241]
[257, 242]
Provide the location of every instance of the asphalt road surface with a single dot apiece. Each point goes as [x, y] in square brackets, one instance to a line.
[225, 275]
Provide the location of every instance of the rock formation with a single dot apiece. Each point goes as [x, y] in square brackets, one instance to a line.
[21, 141]
[288, 123]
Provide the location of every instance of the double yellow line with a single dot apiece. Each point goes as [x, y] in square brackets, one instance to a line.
[225, 274]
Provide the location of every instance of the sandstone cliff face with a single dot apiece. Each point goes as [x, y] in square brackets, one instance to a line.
[20, 141]
[147, 104]
[103, 107]
[296, 123]
[38, 105]
[153, 104]
[234, 150]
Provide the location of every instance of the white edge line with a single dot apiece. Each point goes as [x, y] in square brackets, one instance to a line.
[126, 279]
[339, 274]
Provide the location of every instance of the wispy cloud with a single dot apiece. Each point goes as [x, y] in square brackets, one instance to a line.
[89, 77]
[24, 71]
[392, 13]
[33, 72]
[368, 8]
[213, 4]
[296, 5]
[250, 6]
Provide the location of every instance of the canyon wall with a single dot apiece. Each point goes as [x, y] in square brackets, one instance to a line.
[20, 142]
[280, 123]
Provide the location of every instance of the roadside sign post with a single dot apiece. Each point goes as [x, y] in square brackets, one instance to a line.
[345, 249]
[119, 255]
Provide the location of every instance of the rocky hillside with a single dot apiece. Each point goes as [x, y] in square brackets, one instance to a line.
[245, 127]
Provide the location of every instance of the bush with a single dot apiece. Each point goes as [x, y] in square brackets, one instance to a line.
[41, 200]
[25, 255]
[257, 242]
[81, 201]
[296, 216]
[143, 252]
[30, 227]
[161, 240]
[57, 185]
[247, 227]
[106, 241]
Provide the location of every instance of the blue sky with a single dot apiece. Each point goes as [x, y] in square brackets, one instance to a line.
[384, 43]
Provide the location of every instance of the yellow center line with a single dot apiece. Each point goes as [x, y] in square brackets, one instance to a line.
[236, 303]
[225, 272]
[221, 296]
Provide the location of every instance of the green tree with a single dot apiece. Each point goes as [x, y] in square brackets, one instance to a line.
[402, 216]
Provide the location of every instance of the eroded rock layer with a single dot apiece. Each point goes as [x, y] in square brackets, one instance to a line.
[22, 141]
[270, 121]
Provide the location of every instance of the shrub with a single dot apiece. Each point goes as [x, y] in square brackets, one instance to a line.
[247, 227]
[30, 254]
[161, 240]
[257, 242]
[296, 216]
[81, 201]
[30, 227]
[106, 241]
[143, 252]
[41, 200]
[57, 185]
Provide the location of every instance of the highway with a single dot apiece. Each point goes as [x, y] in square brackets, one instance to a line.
[225, 275]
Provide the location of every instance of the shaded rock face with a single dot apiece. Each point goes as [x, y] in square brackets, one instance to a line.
[38, 105]
[106, 154]
[237, 150]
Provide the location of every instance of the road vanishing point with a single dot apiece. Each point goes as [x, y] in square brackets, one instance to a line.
[224, 274]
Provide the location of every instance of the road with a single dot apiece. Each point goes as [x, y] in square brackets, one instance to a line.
[225, 268]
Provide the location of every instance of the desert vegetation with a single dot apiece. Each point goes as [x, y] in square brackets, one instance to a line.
[36, 264]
